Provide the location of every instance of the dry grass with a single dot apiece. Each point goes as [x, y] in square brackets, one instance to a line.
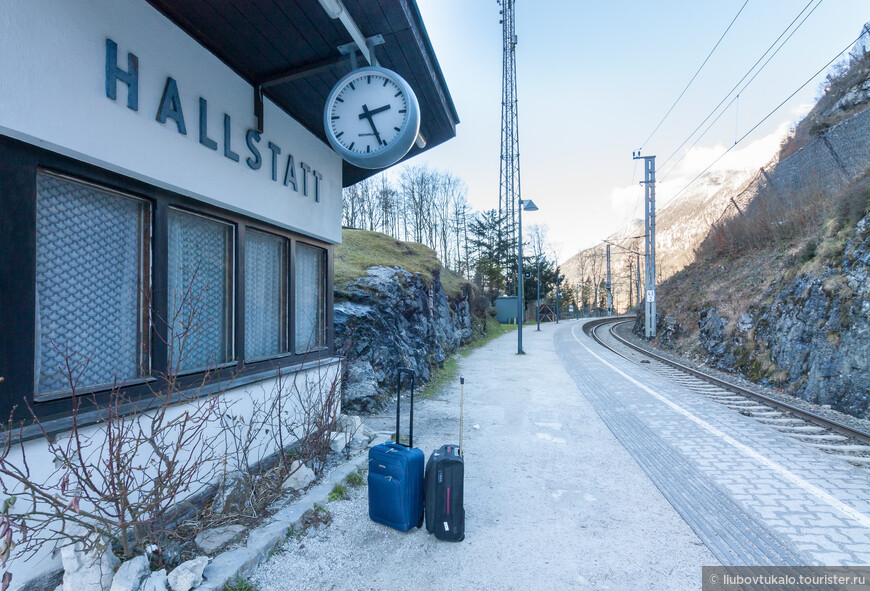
[361, 249]
[759, 263]
[729, 283]
[817, 221]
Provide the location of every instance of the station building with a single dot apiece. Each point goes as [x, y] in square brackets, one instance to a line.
[164, 169]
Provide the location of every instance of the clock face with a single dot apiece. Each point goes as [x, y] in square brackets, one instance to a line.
[372, 117]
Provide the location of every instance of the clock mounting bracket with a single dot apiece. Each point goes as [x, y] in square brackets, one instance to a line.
[346, 53]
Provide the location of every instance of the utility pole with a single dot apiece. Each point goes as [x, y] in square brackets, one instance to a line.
[577, 300]
[630, 295]
[608, 286]
[649, 183]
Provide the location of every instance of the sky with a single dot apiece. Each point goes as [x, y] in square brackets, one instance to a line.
[595, 78]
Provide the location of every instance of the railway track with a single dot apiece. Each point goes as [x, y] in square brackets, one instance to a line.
[809, 428]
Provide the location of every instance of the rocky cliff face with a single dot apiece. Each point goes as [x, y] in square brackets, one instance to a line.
[813, 337]
[391, 319]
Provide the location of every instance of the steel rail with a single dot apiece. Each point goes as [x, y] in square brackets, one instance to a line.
[591, 327]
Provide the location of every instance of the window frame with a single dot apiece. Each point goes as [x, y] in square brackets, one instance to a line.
[19, 164]
[143, 320]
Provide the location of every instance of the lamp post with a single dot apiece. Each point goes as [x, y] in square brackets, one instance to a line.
[577, 301]
[538, 302]
[528, 205]
[558, 282]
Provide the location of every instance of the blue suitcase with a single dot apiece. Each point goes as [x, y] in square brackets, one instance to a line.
[396, 475]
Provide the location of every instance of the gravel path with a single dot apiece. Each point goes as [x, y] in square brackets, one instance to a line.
[552, 499]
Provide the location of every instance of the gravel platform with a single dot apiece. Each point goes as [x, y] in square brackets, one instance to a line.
[552, 499]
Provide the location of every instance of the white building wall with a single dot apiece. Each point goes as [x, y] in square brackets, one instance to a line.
[53, 94]
[311, 383]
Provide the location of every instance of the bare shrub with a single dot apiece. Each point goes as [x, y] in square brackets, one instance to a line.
[118, 472]
[318, 404]
[117, 480]
[243, 435]
[772, 217]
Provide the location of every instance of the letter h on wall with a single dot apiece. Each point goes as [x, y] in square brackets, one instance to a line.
[129, 77]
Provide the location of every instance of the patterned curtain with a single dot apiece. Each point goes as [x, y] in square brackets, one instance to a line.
[200, 291]
[310, 298]
[265, 295]
[91, 248]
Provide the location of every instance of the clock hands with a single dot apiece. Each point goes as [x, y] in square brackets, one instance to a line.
[366, 114]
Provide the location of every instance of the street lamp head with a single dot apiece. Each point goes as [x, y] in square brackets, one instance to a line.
[528, 205]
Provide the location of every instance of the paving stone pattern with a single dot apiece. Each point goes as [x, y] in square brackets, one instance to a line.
[746, 512]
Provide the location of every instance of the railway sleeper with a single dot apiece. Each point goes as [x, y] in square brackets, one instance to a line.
[854, 449]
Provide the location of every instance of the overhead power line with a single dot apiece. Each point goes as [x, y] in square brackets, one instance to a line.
[739, 82]
[766, 117]
[695, 76]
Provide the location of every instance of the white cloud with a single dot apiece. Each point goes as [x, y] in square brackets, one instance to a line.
[801, 109]
[627, 201]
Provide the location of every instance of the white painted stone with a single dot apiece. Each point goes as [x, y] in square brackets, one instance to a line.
[338, 441]
[71, 557]
[92, 571]
[212, 540]
[187, 575]
[300, 476]
[129, 576]
[350, 424]
[156, 581]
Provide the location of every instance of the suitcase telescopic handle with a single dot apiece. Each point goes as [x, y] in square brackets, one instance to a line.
[461, 401]
[399, 373]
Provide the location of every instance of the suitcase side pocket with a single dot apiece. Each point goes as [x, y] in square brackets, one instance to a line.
[386, 499]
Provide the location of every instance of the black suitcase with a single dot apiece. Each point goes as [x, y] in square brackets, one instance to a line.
[445, 489]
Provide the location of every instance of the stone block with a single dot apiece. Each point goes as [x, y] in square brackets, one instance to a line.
[240, 562]
[156, 581]
[300, 476]
[351, 424]
[233, 494]
[187, 575]
[212, 540]
[130, 574]
[263, 539]
[91, 571]
[338, 441]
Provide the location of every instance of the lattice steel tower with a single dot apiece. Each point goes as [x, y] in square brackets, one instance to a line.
[509, 186]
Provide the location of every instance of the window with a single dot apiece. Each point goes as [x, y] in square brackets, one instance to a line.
[200, 292]
[92, 281]
[266, 323]
[116, 283]
[310, 298]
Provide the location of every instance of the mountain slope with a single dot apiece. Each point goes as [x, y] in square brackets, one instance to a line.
[681, 226]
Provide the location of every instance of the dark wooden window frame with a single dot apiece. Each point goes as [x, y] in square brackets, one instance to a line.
[19, 164]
